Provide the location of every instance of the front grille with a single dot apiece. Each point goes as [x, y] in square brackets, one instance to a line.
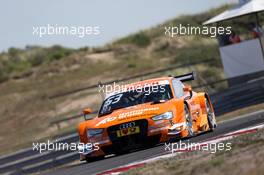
[130, 141]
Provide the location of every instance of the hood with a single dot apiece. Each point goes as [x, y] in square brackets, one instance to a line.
[130, 114]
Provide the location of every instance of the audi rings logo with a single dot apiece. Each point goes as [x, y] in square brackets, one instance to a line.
[127, 125]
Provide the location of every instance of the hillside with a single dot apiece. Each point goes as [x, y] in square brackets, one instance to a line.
[29, 76]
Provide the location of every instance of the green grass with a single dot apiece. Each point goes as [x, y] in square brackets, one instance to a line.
[140, 39]
[19, 62]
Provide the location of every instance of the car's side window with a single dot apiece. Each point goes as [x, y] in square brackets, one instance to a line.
[178, 88]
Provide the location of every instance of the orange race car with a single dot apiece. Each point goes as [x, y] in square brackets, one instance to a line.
[144, 113]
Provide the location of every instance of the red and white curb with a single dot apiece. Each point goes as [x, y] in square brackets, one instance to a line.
[217, 139]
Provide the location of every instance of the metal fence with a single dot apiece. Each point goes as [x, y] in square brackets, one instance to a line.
[238, 96]
[131, 77]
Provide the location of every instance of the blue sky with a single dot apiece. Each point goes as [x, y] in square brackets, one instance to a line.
[116, 18]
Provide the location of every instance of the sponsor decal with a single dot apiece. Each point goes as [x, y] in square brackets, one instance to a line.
[136, 112]
[106, 120]
[126, 115]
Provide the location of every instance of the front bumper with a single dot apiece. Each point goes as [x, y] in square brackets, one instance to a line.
[151, 133]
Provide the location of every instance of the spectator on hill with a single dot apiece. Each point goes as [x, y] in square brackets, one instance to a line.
[234, 38]
[256, 30]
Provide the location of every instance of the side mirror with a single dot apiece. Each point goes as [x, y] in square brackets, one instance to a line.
[188, 89]
[86, 113]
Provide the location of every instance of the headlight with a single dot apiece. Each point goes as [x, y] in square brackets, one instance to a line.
[94, 132]
[164, 116]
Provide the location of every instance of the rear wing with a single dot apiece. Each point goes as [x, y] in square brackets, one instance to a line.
[186, 77]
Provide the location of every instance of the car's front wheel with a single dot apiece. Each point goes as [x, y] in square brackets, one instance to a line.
[188, 119]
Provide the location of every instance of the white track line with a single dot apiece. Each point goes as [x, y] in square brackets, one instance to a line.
[75, 135]
[223, 137]
[28, 149]
[24, 159]
[49, 161]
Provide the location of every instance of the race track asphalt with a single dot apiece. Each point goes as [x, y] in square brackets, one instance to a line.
[116, 161]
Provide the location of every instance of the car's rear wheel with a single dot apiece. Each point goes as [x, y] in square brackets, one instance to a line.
[188, 119]
[210, 115]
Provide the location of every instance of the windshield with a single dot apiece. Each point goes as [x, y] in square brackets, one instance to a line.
[132, 98]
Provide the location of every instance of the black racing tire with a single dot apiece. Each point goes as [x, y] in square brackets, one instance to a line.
[210, 115]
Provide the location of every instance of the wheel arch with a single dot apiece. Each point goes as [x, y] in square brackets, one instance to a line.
[202, 98]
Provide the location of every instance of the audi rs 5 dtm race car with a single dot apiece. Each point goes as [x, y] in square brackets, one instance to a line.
[133, 118]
